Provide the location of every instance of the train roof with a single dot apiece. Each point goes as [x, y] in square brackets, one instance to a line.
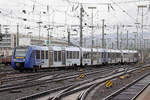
[86, 49]
[100, 50]
[35, 47]
[72, 48]
[129, 51]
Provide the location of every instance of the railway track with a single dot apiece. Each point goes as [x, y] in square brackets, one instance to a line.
[128, 92]
[131, 90]
[45, 75]
[52, 83]
[73, 90]
[59, 80]
[52, 78]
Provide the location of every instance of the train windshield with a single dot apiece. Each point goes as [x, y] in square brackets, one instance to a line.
[21, 52]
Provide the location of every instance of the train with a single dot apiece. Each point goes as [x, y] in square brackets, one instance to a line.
[37, 57]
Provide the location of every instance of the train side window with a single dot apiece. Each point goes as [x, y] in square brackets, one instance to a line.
[46, 54]
[83, 54]
[42, 54]
[88, 55]
[55, 56]
[70, 54]
[77, 54]
[59, 55]
[37, 54]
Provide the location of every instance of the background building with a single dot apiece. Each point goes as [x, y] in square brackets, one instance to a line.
[9, 42]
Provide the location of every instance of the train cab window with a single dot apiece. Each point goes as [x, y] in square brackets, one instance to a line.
[42, 54]
[55, 56]
[21, 52]
[59, 55]
[46, 54]
[37, 54]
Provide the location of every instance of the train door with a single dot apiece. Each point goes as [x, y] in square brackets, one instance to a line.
[63, 57]
[46, 59]
[104, 57]
[51, 57]
[43, 59]
[38, 57]
[33, 58]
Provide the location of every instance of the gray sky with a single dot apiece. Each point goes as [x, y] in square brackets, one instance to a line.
[66, 12]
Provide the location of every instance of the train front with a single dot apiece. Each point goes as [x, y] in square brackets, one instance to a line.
[18, 58]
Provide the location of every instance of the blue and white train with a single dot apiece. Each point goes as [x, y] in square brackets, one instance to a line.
[37, 57]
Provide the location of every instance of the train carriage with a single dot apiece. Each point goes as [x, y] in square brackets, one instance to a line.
[73, 56]
[86, 56]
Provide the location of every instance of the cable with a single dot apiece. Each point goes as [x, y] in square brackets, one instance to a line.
[124, 10]
[126, 2]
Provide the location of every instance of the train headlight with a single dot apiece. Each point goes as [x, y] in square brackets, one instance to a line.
[14, 60]
[23, 60]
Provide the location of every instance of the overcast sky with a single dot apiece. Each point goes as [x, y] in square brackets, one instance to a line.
[66, 12]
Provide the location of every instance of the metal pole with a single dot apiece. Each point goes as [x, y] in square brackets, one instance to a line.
[127, 40]
[121, 40]
[112, 45]
[103, 42]
[92, 39]
[81, 10]
[39, 29]
[68, 31]
[81, 38]
[92, 34]
[117, 37]
[17, 42]
[48, 36]
[142, 22]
